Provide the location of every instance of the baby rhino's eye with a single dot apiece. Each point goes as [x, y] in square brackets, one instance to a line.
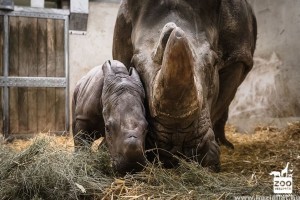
[108, 127]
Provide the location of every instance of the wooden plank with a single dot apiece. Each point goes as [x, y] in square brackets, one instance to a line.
[42, 71]
[60, 72]
[14, 71]
[60, 68]
[51, 62]
[32, 71]
[24, 62]
[13, 110]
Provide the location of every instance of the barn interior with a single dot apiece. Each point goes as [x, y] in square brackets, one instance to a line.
[47, 46]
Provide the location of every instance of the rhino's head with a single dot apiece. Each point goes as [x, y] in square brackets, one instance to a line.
[124, 116]
[180, 76]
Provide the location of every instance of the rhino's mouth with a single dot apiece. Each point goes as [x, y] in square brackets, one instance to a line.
[122, 165]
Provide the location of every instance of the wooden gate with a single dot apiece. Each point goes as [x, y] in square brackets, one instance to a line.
[34, 71]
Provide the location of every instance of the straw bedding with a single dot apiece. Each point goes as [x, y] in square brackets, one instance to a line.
[47, 168]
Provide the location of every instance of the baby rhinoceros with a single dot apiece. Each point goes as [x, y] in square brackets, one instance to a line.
[110, 100]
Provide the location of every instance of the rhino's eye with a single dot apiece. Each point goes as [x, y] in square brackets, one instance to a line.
[108, 127]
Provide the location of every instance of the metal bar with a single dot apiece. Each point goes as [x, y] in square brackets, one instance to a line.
[37, 12]
[40, 10]
[36, 15]
[67, 92]
[5, 96]
[13, 81]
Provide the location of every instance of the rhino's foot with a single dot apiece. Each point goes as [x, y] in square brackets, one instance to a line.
[219, 130]
[220, 135]
[211, 159]
[225, 142]
[209, 154]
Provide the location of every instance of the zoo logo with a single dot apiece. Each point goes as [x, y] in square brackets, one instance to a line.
[283, 181]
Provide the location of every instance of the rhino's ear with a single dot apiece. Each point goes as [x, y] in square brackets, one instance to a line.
[106, 67]
[134, 74]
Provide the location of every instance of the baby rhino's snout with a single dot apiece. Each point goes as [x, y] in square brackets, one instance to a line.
[133, 158]
[133, 149]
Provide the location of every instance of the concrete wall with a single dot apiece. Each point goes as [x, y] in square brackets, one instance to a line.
[270, 95]
[94, 48]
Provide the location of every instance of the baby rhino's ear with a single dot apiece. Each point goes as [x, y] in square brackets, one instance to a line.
[134, 74]
[106, 67]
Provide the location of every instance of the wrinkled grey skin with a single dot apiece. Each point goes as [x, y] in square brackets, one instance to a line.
[111, 101]
[191, 56]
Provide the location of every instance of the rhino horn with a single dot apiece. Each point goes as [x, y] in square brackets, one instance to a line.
[134, 74]
[157, 54]
[175, 92]
[106, 67]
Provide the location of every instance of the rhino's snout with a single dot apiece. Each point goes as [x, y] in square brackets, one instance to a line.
[133, 148]
[132, 158]
[129, 153]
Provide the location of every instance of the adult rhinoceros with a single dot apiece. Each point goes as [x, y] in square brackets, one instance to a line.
[191, 55]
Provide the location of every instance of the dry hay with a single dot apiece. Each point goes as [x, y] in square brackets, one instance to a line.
[48, 169]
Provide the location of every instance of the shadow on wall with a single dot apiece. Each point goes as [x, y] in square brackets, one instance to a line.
[264, 97]
[270, 94]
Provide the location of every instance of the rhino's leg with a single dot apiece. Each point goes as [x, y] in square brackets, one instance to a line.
[219, 129]
[230, 77]
[84, 134]
[210, 155]
[202, 146]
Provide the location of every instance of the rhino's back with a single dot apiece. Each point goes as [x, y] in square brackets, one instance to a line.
[87, 94]
[237, 32]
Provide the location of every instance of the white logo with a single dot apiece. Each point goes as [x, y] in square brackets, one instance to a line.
[283, 180]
